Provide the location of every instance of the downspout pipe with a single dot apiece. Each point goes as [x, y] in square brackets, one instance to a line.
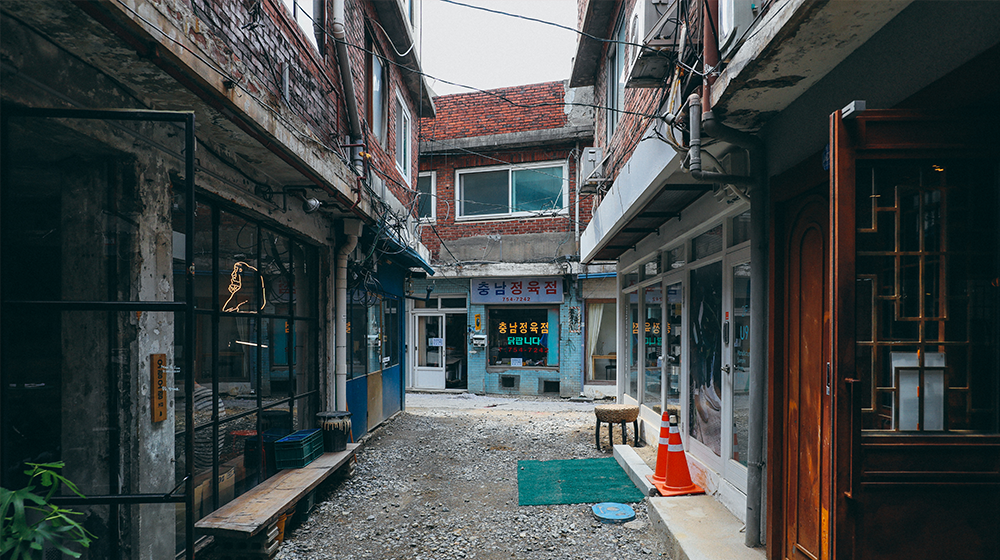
[352, 231]
[757, 181]
[339, 29]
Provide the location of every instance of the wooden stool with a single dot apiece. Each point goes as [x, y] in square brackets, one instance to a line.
[617, 414]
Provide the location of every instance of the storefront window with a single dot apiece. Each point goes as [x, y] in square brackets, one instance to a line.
[707, 244]
[390, 333]
[927, 302]
[600, 321]
[373, 336]
[632, 387]
[357, 344]
[653, 348]
[741, 228]
[672, 332]
[740, 361]
[675, 258]
[705, 356]
[256, 367]
[523, 337]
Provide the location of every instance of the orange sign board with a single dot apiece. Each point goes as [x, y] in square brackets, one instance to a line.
[158, 386]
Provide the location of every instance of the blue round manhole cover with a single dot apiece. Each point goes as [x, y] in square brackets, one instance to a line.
[610, 512]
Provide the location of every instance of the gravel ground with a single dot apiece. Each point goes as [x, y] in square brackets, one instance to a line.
[439, 481]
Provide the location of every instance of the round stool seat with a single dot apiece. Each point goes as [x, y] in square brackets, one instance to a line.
[616, 413]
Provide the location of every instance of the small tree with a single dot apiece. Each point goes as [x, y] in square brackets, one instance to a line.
[29, 520]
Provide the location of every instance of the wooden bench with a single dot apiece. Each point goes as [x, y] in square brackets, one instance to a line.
[247, 526]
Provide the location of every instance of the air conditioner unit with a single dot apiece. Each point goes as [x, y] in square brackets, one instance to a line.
[655, 25]
[591, 169]
[735, 17]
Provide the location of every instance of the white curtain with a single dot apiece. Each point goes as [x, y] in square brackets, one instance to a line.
[595, 311]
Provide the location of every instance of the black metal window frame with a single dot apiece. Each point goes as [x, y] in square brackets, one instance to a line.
[215, 313]
[185, 308]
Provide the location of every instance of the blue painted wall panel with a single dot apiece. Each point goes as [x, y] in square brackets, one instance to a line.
[357, 405]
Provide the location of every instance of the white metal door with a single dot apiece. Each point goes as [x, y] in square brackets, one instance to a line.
[736, 367]
[428, 345]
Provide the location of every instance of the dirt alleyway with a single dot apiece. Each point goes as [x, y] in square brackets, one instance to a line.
[440, 481]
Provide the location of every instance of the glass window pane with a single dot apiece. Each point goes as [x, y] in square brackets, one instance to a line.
[673, 332]
[277, 269]
[239, 284]
[601, 348]
[306, 365]
[373, 337]
[741, 228]
[425, 185]
[705, 356]
[653, 348]
[707, 244]
[521, 337]
[741, 361]
[430, 342]
[391, 344]
[935, 252]
[675, 258]
[632, 385]
[452, 303]
[537, 189]
[651, 268]
[357, 346]
[484, 192]
[378, 98]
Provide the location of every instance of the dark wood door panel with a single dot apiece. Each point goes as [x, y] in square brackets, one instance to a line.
[805, 296]
[927, 521]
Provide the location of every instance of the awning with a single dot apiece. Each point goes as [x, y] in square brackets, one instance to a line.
[405, 254]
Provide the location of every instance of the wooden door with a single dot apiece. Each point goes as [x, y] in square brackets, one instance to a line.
[804, 407]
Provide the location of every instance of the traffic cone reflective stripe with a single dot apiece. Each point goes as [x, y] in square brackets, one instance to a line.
[671, 477]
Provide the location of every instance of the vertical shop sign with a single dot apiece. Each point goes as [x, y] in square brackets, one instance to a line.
[158, 386]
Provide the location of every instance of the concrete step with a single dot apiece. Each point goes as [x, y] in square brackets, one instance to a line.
[693, 527]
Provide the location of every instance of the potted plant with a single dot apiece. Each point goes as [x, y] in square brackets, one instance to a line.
[30, 520]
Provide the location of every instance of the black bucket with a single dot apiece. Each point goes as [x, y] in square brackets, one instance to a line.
[336, 429]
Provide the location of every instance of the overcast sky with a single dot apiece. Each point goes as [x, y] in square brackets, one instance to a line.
[485, 50]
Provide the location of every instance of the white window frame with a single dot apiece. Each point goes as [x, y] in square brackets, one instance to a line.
[510, 169]
[433, 195]
[615, 91]
[302, 13]
[404, 142]
[381, 111]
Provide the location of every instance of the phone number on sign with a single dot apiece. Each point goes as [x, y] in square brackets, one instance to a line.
[517, 299]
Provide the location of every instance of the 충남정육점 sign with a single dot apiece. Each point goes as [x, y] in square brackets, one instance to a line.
[517, 290]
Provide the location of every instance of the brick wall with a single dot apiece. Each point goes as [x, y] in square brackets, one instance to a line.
[257, 39]
[496, 111]
[535, 107]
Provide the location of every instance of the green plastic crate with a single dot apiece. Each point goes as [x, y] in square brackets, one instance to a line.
[298, 449]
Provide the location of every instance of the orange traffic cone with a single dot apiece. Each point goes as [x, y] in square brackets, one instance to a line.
[671, 477]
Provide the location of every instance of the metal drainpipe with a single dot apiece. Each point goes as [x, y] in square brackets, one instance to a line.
[339, 29]
[341, 294]
[757, 181]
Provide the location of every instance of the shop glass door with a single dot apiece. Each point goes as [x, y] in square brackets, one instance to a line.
[736, 368]
[672, 333]
[653, 348]
[429, 337]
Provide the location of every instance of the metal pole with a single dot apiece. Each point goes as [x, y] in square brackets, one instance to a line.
[189, 334]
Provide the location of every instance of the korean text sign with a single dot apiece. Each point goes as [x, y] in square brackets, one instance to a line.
[517, 290]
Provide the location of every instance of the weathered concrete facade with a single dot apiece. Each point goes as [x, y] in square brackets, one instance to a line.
[94, 240]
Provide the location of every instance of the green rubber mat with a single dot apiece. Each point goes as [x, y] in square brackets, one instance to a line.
[574, 481]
